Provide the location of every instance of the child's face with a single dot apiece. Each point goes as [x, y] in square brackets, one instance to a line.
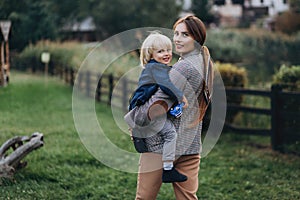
[162, 55]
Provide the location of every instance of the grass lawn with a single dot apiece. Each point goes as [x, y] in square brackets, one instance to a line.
[239, 167]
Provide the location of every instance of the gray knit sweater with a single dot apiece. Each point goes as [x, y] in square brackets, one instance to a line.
[187, 75]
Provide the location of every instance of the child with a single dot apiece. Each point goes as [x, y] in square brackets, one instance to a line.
[144, 119]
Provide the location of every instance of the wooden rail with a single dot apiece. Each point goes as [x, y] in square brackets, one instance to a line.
[284, 110]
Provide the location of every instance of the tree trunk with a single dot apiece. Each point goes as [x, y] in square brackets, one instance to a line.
[21, 146]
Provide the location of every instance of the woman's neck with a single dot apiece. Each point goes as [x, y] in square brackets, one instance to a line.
[193, 52]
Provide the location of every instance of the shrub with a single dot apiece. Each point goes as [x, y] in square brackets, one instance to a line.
[254, 49]
[225, 46]
[28, 59]
[232, 75]
[287, 22]
[69, 54]
[288, 76]
[73, 54]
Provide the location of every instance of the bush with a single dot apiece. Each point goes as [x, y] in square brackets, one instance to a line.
[69, 54]
[255, 50]
[225, 46]
[232, 75]
[288, 76]
[288, 22]
[28, 59]
[73, 54]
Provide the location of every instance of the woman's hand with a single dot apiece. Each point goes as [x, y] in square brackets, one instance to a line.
[185, 101]
[130, 131]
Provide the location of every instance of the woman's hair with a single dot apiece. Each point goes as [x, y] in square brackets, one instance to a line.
[197, 31]
[195, 27]
[154, 41]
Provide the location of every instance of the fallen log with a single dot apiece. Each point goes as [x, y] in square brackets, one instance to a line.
[21, 147]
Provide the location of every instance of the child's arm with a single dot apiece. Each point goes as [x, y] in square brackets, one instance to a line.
[160, 73]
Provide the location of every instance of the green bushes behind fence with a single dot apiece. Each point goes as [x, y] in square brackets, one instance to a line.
[288, 76]
[260, 52]
[69, 54]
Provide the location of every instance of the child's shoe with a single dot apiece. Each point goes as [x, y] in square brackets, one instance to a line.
[170, 176]
[176, 111]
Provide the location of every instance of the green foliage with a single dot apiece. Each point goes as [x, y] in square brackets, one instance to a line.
[74, 55]
[239, 167]
[289, 76]
[202, 10]
[37, 20]
[124, 64]
[232, 75]
[295, 5]
[260, 52]
[31, 21]
[138, 14]
[68, 54]
[225, 46]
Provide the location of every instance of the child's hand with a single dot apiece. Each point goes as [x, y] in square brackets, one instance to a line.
[185, 101]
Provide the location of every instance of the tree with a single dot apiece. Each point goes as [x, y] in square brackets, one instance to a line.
[288, 21]
[122, 15]
[202, 10]
[31, 21]
[295, 5]
[36, 20]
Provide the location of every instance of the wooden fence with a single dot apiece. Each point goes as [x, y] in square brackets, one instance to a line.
[284, 113]
[284, 110]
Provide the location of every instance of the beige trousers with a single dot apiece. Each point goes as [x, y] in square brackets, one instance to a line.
[150, 176]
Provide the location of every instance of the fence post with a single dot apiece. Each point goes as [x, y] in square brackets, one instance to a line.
[88, 83]
[79, 81]
[276, 122]
[61, 73]
[66, 74]
[125, 94]
[111, 86]
[72, 77]
[98, 90]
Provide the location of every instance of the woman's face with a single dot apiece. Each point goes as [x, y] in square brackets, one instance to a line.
[183, 41]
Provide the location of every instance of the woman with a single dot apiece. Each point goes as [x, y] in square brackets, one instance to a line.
[188, 75]
[155, 57]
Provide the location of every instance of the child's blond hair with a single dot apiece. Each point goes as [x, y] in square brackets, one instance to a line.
[154, 41]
